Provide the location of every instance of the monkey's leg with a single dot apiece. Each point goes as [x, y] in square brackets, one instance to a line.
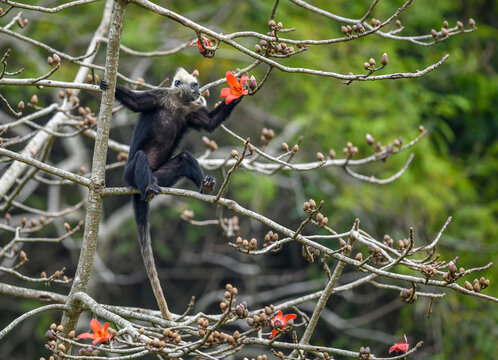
[184, 165]
[139, 174]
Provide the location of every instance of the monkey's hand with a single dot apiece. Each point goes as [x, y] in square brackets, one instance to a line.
[152, 190]
[103, 85]
[207, 185]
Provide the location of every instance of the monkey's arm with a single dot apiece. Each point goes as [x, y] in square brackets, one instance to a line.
[210, 120]
[138, 101]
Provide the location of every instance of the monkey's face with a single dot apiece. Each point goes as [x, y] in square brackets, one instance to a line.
[188, 90]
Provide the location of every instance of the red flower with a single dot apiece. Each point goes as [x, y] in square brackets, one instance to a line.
[236, 88]
[400, 346]
[279, 322]
[99, 335]
[199, 45]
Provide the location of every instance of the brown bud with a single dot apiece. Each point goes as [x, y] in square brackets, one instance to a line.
[342, 243]
[371, 61]
[476, 287]
[280, 25]
[22, 256]
[369, 138]
[285, 147]
[43, 275]
[61, 347]
[34, 99]
[67, 226]
[71, 334]
[50, 61]
[332, 153]
[472, 23]
[460, 25]
[373, 22]
[468, 286]
[384, 60]
[295, 148]
[205, 94]
[89, 78]
[56, 58]
[234, 153]
[271, 23]
[253, 242]
[62, 94]
[434, 34]
[325, 221]
[444, 32]
[366, 66]
[257, 48]
[398, 23]
[344, 30]
[195, 73]
[487, 282]
[320, 156]
[53, 326]
[20, 106]
[359, 257]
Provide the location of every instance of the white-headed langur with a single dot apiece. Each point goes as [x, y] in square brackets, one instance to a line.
[166, 114]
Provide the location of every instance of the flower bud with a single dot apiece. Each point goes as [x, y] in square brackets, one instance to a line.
[34, 99]
[257, 48]
[398, 23]
[369, 138]
[366, 66]
[56, 58]
[285, 147]
[434, 34]
[234, 153]
[468, 286]
[452, 267]
[332, 153]
[252, 83]
[384, 60]
[444, 32]
[344, 30]
[20, 106]
[271, 23]
[205, 94]
[320, 156]
[445, 24]
[359, 257]
[472, 23]
[50, 61]
[371, 61]
[476, 287]
[280, 25]
[460, 25]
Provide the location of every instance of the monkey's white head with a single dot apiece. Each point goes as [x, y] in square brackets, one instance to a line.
[187, 87]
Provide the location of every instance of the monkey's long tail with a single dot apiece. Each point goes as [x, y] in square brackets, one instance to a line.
[141, 209]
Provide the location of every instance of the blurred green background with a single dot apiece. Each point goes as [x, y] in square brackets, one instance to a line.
[453, 173]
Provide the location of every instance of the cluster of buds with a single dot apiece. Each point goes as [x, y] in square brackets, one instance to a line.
[51, 336]
[89, 119]
[171, 337]
[202, 326]
[310, 253]
[375, 22]
[270, 238]
[478, 285]
[230, 293]
[322, 220]
[428, 270]
[54, 60]
[285, 147]
[348, 30]
[93, 79]
[408, 296]
[402, 244]
[309, 206]
[347, 247]
[211, 145]
[68, 93]
[376, 253]
[219, 337]
[88, 351]
[263, 318]
[259, 357]
[273, 47]
[246, 244]
[388, 241]
[267, 135]
[364, 353]
[241, 311]
[452, 275]
[349, 150]
[22, 23]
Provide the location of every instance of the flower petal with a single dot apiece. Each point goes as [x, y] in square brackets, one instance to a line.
[231, 79]
[225, 92]
[231, 98]
[288, 317]
[86, 336]
[94, 324]
[273, 333]
[243, 79]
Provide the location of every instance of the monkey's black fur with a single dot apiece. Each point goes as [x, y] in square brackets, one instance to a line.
[165, 116]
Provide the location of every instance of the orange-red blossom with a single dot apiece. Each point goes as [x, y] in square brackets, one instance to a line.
[400, 346]
[199, 44]
[236, 88]
[279, 322]
[99, 334]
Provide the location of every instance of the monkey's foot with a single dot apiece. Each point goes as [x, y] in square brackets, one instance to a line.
[207, 185]
[151, 191]
[103, 85]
